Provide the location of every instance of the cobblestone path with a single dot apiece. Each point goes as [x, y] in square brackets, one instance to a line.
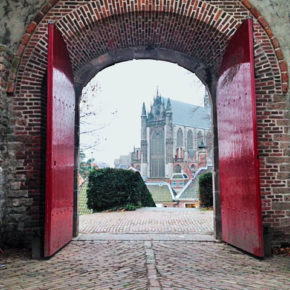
[149, 220]
[126, 258]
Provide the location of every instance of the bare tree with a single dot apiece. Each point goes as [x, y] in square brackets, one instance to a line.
[90, 124]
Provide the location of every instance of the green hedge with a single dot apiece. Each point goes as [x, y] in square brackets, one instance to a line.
[111, 188]
[205, 190]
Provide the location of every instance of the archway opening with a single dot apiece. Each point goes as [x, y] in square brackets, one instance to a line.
[152, 103]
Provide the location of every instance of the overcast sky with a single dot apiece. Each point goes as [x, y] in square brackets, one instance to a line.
[116, 95]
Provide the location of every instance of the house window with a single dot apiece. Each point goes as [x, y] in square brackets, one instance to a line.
[177, 168]
[192, 167]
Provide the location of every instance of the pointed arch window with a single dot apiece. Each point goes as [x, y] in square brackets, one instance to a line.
[199, 138]
[209, 141]
[179, 138]
[189, 140]
[157, 160]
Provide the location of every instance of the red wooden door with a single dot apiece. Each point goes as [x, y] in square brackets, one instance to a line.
[60, 145]
[238, 154]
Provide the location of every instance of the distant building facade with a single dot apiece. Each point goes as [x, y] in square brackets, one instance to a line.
[136, 158]
[176, 137]
[133, 159]
[123, 162]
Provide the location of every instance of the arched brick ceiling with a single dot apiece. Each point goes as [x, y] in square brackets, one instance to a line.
[198, 29]
[149, 31]
[152, 30]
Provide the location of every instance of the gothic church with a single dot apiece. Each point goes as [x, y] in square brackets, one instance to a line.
[175, 137]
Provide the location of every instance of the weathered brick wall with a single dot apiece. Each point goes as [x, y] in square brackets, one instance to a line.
[13, 194]
[5, 61]
[273, 136]
[95, 31]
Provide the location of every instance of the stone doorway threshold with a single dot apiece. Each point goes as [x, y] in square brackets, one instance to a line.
[200, 237]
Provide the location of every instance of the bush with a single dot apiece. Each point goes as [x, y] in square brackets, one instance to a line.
[116, 189]
[205, 190]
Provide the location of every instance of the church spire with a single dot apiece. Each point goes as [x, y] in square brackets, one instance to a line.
[168, 106]
[206, 99]
[143, 110]
[157, 91]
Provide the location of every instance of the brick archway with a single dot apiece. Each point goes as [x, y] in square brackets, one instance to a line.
[193, 34]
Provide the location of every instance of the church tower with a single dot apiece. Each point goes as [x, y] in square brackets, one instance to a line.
[144, 144]
[169, 140]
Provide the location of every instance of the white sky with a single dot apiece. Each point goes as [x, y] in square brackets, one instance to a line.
[117, 103]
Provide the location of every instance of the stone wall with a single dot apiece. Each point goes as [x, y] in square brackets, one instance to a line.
[276, 13]
[5, 61]
[14, 18]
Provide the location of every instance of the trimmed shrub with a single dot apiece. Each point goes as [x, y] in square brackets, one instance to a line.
[114, 189]
[205, 190]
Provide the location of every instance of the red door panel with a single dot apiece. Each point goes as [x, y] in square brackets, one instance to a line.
[238, 154]
[60, 145]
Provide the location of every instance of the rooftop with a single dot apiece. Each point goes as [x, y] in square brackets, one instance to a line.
[190, 115]
[160, 192]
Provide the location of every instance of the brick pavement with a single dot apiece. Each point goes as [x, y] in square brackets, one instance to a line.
[145, 265]
[80, 265]
[217, 266]
[149, 220]
[145, 261]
